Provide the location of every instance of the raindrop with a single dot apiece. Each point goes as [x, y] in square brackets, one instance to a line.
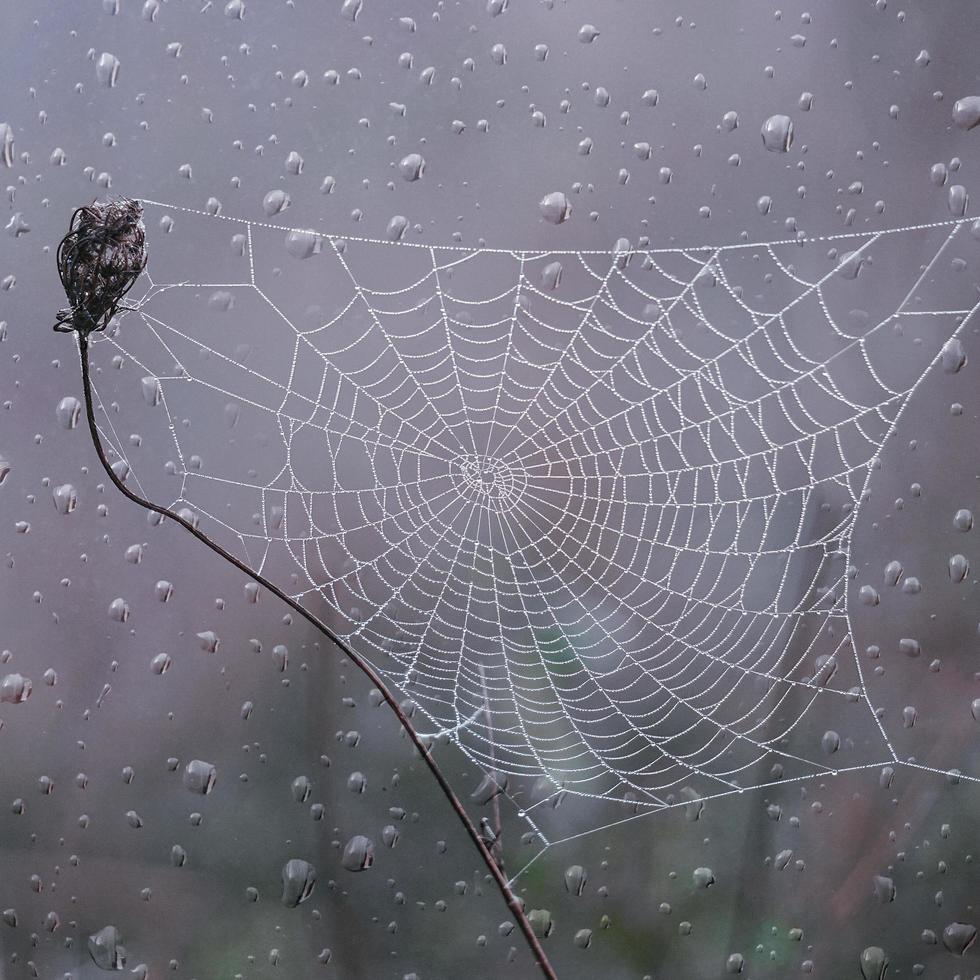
[275, 201]
[551, 275]
[575, 879]
[966, 112]
[412, 167]
[15, 689]
[958, 937]
[68, 412]
[958, 200]
[777, 133]
[358, 854]
[106, 949]
[199, 776]
[555, 207]
[65, 498]
[107, 69]
[963, 520]
[959, 568]
[298, 881]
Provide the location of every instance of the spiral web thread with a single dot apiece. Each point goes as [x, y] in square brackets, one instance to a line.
[598, 529]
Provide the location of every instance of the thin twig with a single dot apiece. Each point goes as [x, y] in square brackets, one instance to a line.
[514, 904]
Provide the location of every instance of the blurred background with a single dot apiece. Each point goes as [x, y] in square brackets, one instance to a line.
[145, 653]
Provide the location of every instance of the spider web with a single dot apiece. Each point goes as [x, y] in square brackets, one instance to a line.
[590, 510]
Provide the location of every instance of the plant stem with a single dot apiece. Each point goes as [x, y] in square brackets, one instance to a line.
[514, 904]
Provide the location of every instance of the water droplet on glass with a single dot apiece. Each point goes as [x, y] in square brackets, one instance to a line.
[777, 133]
[106, 949]
[358, 854]
[412, 167]
[963, 520]
[958, 937]
[555, 207]
[68, 412]
[107, 69]
[298, 881]
[492, 784]
[15, 689]
[551, 275]
[959, 568]
[958, 200]
[575, 879]
[396, 228]
[199, 776]
[966, 112]
[302, 243]
[703, 877]
[275, 201]
[65, 498]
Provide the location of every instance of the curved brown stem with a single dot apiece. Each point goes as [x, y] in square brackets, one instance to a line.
[514, 904]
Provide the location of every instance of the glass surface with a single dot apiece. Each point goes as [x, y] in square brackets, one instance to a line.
[603, 375]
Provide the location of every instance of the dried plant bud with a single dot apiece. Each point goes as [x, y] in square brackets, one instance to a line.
[99, 259]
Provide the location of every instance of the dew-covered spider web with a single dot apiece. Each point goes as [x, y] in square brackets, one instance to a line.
[591, 511]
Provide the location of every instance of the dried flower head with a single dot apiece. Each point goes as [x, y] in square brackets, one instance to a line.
[99, 259]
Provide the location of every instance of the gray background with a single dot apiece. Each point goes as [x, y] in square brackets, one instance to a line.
[58, 579]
